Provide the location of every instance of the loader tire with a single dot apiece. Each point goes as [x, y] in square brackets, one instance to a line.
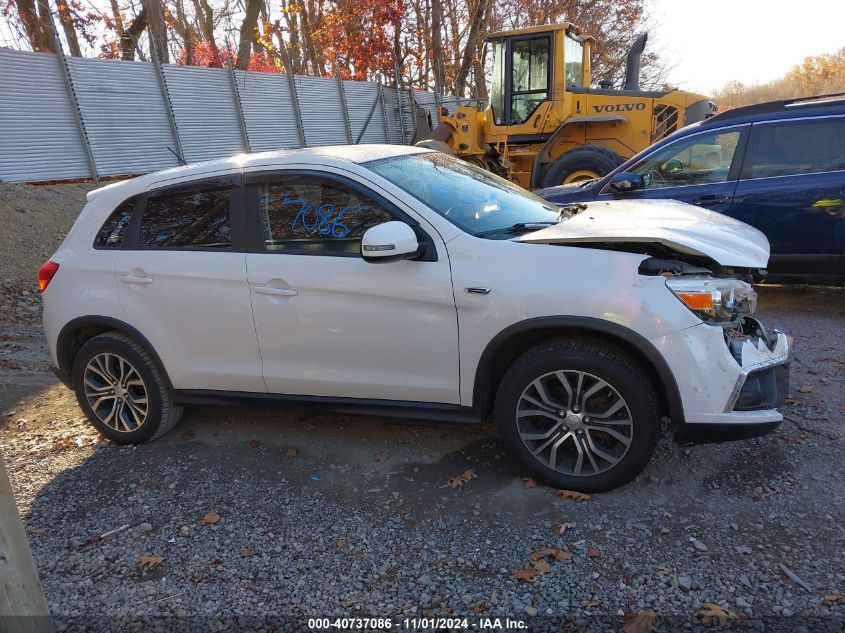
[581, 163]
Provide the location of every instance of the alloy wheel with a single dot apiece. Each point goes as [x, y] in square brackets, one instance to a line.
[116, 392]
[574, 422]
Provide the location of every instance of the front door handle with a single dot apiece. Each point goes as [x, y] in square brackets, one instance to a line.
[278, 292]
[707, 200]
[132, 279]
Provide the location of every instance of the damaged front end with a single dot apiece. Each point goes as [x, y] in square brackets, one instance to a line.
[729, 304]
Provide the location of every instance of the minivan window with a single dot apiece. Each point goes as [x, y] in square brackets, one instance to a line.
[316, 215]
[196, 218]
[806, 146]
[694, 160]
[113, 231]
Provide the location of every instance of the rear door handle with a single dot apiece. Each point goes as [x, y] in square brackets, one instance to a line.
[132, 279]
[278, 292]
[704, 201]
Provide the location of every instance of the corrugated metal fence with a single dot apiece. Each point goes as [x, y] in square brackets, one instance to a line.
[65, 117]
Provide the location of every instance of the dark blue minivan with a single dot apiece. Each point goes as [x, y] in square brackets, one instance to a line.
[778, 166]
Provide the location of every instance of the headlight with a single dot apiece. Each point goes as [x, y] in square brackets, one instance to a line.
[714, 300]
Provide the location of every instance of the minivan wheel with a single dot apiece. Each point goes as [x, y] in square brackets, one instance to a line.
[122, 390]
[578, 414]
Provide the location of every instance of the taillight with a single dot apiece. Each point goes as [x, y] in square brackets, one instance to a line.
[46, 274]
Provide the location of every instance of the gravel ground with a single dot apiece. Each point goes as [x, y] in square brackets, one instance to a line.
[260, 518]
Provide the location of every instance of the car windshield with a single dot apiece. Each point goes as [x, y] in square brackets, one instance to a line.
[472, 198]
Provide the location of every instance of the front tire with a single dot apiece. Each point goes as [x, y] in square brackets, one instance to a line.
[578, 414]
[582, 163]
[122, 390]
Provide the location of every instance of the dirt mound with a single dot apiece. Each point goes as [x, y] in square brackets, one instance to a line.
[33, 222]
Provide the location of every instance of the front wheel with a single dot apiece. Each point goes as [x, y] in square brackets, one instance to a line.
[582, 163]
[122, 391]
[578, 414]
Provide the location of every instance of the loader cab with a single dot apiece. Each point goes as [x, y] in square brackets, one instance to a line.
[528, 64]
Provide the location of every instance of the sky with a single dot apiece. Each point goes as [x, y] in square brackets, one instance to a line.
[710, 42]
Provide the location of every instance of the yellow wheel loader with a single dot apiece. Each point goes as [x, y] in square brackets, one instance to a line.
[545, 125]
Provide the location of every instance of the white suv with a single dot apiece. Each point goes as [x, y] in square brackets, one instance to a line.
[399, 281]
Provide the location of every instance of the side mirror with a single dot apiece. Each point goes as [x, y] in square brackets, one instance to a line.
[389, 242]
[624, 182]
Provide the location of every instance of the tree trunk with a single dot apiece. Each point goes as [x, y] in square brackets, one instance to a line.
[157, 30]
[29, 17]
[66, 20]
[437, 46]
[476, 19]
[247, 33]
[48, 29]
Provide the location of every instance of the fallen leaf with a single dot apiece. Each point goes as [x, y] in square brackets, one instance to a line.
[711, 613]
[834, 597]
[358, 557]
[210, 518]
[246, 553]
[293, 452]
[563, 556]
[639, 622]
[381, 457]
[541, 565]
[806, 389]
[217, 561]
[793, 402]
[459, 480]
[9, 364]
[402, 511]
[842, 408]
[529, 483]
[548, 551]
[187, 435]
[196, 577]
[254, 444]
[526, 574]
[150, 561]
[592, 552]
[339, 543]
[563, 527]
[572, 494]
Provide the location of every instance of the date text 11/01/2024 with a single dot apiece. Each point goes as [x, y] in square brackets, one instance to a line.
[418, 624]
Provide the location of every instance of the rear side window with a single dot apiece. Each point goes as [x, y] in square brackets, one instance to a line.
[193, 218]
[310, 214]
[787, 148]
[113, 231]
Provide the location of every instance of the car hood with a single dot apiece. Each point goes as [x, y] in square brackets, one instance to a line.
[676, 225]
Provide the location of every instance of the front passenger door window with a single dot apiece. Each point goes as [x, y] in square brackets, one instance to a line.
[313, 215]
[696, 160]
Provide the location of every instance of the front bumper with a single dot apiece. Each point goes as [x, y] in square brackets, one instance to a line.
[725, 397]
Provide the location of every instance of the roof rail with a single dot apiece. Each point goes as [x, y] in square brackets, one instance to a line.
[775, 106]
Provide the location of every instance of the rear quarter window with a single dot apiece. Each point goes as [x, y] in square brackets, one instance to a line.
[113, 232]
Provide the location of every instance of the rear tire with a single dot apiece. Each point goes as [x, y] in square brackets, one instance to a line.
[122, 390]
[585, 159]
[579, 414]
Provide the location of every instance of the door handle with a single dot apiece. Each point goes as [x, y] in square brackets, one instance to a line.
[132, 279]
[704, 201]
[278, 292]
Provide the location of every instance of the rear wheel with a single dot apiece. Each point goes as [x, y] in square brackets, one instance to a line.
[578, 414]
[122, 390]
[582, 163]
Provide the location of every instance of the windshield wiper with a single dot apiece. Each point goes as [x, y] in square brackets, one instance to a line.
[518, 227]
